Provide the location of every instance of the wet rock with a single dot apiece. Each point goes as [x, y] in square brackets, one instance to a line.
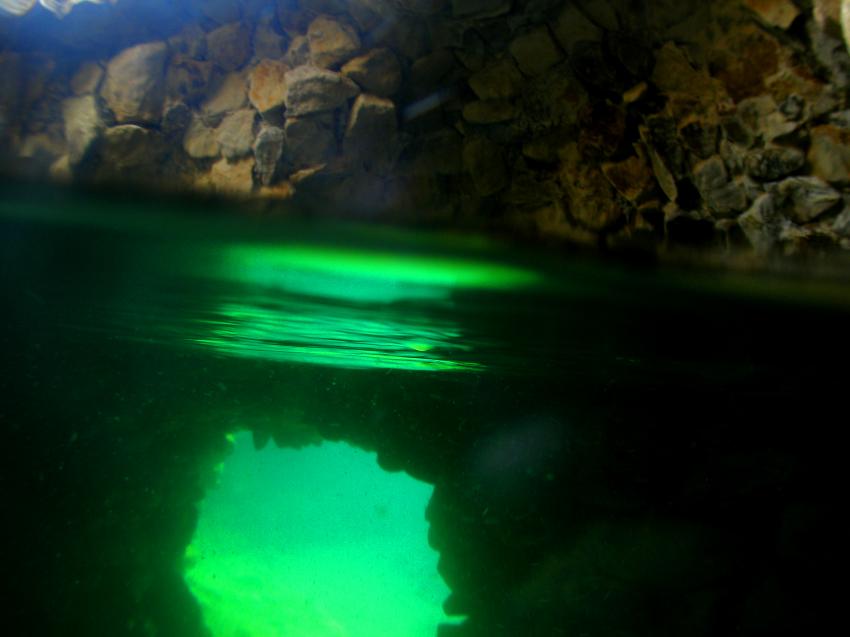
[473, 51]
[268, 148]
[191, 42]
[230, 95]
[804, 199]
[489, 111]
[378, 72]
[424, 7]
[484, 161]
[83, 125]
[41, 151]
[135, 83]
[480, 8]
[749, 56]
[235, 134]
[431, 73]
[590, 197]
[829, 154]
[298, 52]
[236, 179]
[87, 79]
[200, 141]
[535, 52]
[763, 118]
[500, 80]
[175, 120]
[792, 107]
[268, 43]
[331, 42]
[762, 224]
[699, 137]
[773, 163]
[267, 86]
[229, 47]
[631, 177]
[841, 224]
[309, 140]
[187, 79]
[776, 13]
[826, 41]
[131, 152]
[310, 89]
[572, 26]
[371, 131]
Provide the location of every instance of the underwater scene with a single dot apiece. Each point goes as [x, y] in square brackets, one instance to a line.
[424, 318]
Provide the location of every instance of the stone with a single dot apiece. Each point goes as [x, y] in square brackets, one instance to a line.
[480, 8]
[83, 126]
[371, 131]
[87, 78]
[268, 43]
[631, 177]
[331, 42]
[235, 134]
[829, 154]
[424, 7]
[229, 47]
[175, 120]
[60, 170]
[268, 148]
[499, 80]
[135, 83]
[804, 199]
[200, 141]
[378, 72]
[535, 52]
[230, 95]
[298, 52]
[309, 141]
[431, 73]
[42, 150]
[191, 42]
[131, 152]
[572, 26]
[489, 111]
[776, 13]
[841, 224]
[268, 86]
[187, 79]
[310, 89]
[590, 197]
[484, 161]
[710, 175]
[763, 118]
[473, 51]
[770, 164]
[762, 224]
[235, 179]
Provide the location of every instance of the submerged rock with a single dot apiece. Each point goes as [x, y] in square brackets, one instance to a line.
[331, 42]
[235, 134]
[377, 72]
[135, 83]
[268, 86]
[268, 148]
[310, 89]
[83, 125]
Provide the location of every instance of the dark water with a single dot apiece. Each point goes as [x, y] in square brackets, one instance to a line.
[613, 449]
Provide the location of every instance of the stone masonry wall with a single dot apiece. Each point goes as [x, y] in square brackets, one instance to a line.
[608, 123]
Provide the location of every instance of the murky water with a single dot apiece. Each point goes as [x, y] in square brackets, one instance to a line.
[551, 400]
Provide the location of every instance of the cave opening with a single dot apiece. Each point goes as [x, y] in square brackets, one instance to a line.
[316, 541]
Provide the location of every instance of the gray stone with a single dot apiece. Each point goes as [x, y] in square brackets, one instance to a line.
[187, 79]
[268, 148]
[371, 131]
[310, 89]
[730, 199]
[298, 52]
[484, 161]
[775, 13]
[230, 95]
[762, 224]
[378, 72]
[829, 154]
[268, 43]
[309, 141]
[489, 111]
[235, 134]
[499, 80]
[175, 120]
[772, 163]
[805, 198]
[710, 175]
[191, 42]
[535, 52]
[229, 47]
[841, 224]
[331, 42]
[135, 83]
[131, 152]
[268, 85]
[87, 78]
[200, 141]
[83, 125]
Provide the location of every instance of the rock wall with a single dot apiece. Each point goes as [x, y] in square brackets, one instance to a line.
[606, 123]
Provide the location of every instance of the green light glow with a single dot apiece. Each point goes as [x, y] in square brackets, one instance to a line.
[318, 542]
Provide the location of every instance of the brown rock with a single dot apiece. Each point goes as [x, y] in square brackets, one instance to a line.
[200, 141]
[230, 95]
[131, 152]
[331, 42]
[231, 178]
[489, 111]
[229, 47]
[87, 78]
[309, 141]
[777, 13]
[377, 72]
[298, 52]
[135, 83]
[235, 134]
[829, 154]
[310, 89]
[371, 130]
[631, 177]
[187, 80]
[83, 125]
[268, 86]
[572, 26]
[191, 42]
[500, 80]
[804, 199]
[535, 52]
[268, 43]
[268, 148]
[484, 161]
